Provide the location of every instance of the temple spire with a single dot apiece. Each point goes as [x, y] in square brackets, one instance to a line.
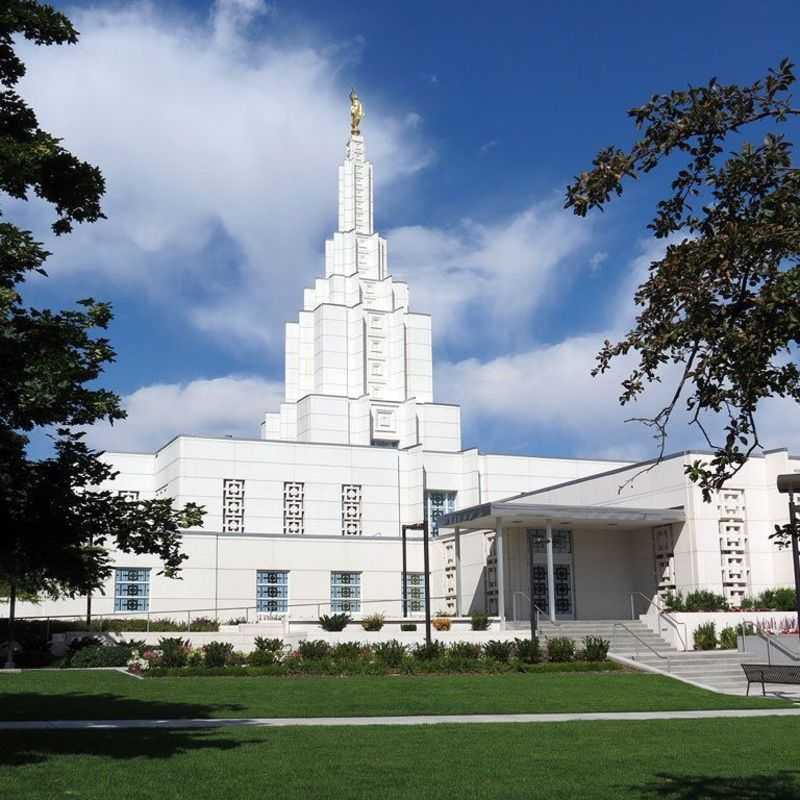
[356, 113]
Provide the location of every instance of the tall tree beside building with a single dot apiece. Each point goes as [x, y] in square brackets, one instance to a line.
[57, 526]
[723, 303]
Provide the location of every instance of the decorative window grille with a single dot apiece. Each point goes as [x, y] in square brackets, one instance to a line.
[439, 503]
[734, 562]
[128, 494]
[490, 582]
[351, 509]
[664, 559]
[345, 592]
[161, 491]
[232, 505]
[132, 589]
[450, 585]
[272, 591]
[415, 592]
[562, 540]
[293, 515]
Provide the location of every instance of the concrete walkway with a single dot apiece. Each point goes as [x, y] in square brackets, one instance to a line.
[428, 719]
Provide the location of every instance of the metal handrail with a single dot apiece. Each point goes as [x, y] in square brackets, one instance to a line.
[536, 609]
[664, 614]
[770, 641]
[639, 640]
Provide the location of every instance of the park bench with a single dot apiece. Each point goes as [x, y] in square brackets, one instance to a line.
[771, 673]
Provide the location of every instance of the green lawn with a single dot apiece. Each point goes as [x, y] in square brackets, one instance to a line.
[674, 760]
[111, 695]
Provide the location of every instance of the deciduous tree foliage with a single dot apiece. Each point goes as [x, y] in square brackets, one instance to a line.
[56, 524]
[722, 303]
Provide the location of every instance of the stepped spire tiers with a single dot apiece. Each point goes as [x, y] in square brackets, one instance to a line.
[358, 362]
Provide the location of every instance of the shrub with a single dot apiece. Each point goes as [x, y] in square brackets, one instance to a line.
[527, 650]
[237, 621]
[595, 648]
[441, 623]
[274, 646]
[428, 652]
[334, 622]
[464, 650]
[174, 652]
[373, 622]
[705, 636]
[480, 622]
[204, 624]
[195, 658]
[261, 658]
[702, 600]
[348, 651]
[561, 648]
[391, 653]
[216, 654]
[82, 642]
[108, 656]
[236, 659]
[408, 626]
[727, 638]
[782, 599]
[673, 602]
[498, 650]
[313, 649]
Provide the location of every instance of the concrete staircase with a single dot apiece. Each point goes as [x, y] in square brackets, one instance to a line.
[634, 637]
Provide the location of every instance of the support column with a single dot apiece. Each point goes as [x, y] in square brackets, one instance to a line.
[501, 588]
[457, 540]
[551, 586]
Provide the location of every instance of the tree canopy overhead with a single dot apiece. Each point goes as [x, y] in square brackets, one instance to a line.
[723, 303]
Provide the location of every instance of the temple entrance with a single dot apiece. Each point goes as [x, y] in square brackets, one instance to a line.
[563, 572]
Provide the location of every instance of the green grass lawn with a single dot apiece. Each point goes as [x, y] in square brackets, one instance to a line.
[671, 760]
[111, 695]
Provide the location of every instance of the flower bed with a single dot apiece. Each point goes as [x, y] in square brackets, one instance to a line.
[175, 656]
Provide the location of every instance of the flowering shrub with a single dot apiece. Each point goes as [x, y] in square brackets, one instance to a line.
[373, 622]
[137, 664]
[174, 651]
[441, 623]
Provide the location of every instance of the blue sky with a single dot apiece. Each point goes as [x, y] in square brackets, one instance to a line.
[219, 128]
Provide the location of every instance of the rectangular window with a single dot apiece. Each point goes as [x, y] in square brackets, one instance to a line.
[272, 591]
[233, 505]
[131, 589]
[415, 592]
[439, 503]
[351, 509]
[128, 494]
[345, 592]
[293, 516]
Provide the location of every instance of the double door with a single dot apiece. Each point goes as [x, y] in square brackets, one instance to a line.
[563, 572]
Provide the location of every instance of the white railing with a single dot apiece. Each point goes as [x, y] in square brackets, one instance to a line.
[638, 641]
[661, 614]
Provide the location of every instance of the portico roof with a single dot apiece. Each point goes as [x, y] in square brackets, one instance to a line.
[506, 514]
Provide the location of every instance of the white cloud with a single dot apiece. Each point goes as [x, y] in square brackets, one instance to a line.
[232, 405]
[220, 155]
[498, 272]
[596, 260]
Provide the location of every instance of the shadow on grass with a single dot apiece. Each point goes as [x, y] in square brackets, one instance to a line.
[783, 785]
[80, 705]
[24, 748]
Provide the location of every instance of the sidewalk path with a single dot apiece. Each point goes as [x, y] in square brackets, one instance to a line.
[444, 719]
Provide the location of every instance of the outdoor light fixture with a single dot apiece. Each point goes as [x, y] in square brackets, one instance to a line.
[790, 484]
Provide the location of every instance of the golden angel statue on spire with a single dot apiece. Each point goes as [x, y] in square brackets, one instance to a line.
[356, 113]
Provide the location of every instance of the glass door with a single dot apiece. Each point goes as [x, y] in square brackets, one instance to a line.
[563, 572]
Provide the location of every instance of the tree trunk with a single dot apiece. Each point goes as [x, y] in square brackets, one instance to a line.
[12, 610]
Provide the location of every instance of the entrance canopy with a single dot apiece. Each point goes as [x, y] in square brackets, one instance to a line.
[506, 514]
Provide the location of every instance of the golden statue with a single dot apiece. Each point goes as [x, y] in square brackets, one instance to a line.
[356, 113]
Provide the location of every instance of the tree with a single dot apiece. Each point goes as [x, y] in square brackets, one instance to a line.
[57, 523]
[723, 302]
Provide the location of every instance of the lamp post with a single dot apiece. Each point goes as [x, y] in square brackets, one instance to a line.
[789, 484]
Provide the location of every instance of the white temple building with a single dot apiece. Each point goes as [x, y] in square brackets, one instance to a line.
[307, 518]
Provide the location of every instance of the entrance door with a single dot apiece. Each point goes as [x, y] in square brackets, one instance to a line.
[563, 571]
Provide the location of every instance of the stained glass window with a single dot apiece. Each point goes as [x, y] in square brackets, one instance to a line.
[439, 503]
[272, 591]
[345, 592]
[131, 589]
[415, 592]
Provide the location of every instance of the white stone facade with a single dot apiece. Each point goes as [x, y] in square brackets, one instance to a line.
[308, 517]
